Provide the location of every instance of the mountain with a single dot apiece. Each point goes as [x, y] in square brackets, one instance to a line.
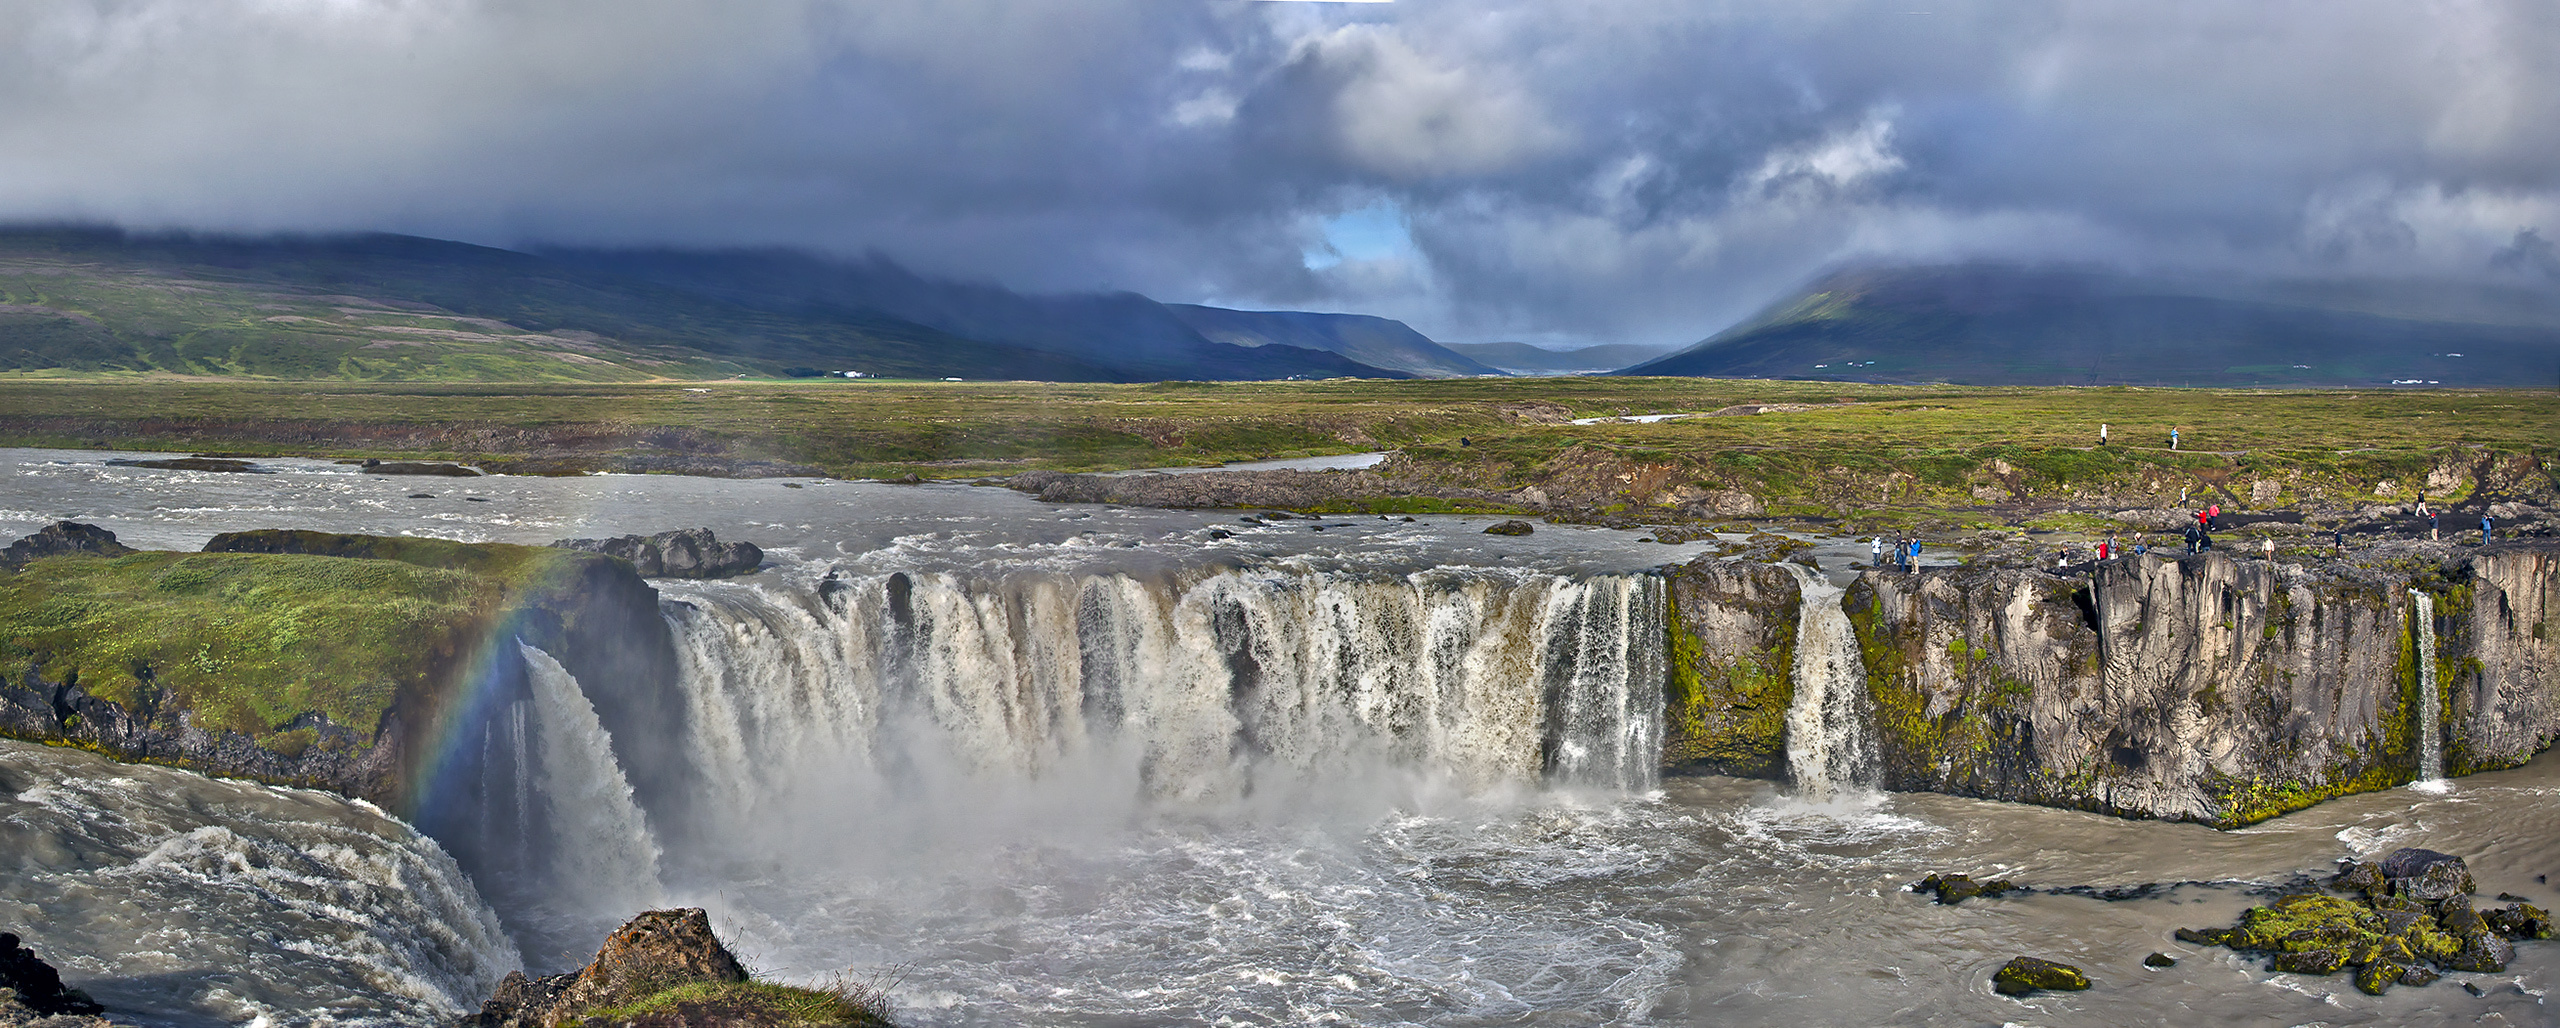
[1990, 324]
[1537, 360]
[406, 308]
[1141, 339]
[1374, 341]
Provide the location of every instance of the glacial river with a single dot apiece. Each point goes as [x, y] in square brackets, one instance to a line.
[1035, 764]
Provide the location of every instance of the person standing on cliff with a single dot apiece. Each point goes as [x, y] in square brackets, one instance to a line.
[2342, 538]
[2434, 530]
[2193, 530]
[1875, 552]
[2484, 528]
[2212, 517]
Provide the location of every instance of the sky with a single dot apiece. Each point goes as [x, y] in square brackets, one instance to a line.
[1645, 171]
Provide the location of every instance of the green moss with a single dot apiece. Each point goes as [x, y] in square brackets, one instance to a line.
[1729, 716]
[253, 642]
[757, 1003]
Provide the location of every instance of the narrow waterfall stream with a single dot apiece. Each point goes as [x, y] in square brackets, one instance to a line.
[599, 843]
[2430, 699]
[1828, 750]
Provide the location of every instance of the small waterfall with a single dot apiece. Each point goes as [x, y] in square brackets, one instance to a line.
[599, 843]
[2430, 700]
[1212, 687]
[1827, 745]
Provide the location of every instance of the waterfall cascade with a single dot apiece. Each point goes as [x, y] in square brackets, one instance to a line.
[2430, 699]
[1201, 689]
[1828, 749]
[599, 842]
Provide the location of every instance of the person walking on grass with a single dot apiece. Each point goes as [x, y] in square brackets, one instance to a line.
[2102, 433]
[2173, 439]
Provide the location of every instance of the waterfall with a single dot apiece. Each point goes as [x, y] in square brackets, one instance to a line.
[1827, 745]
[2430, 700]
[1214, 686]
[599, 845]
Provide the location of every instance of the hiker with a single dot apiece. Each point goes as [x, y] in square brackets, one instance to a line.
[2173, 439]
[2141, 547]
[2102, 547]
[2434, 531]
[1915, 549]
[2484, 529]
[2342, 538]
[2270, 548]
[2192, 532]
[2102, 433]
[2213, 517]
[1875, 552]
[2204, 541]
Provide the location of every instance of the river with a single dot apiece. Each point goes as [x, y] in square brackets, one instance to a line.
[1024, 763]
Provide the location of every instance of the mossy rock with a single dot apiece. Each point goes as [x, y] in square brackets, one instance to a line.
[2024, 975]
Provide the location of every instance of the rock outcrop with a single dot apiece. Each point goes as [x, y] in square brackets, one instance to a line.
[2207, 688]
[2395, 918]
[30, 984]
[684, 553]
[1733, 641]
[664, 969]
[60, 538]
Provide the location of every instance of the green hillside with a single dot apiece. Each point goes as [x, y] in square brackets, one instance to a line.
[2002, 325]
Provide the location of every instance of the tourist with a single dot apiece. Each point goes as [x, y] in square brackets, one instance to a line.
[2173, 439]
[2140, 547]
[1875, 552]
[2194, 531]
[2342, 537]
[2270, 548]
[2102, 547]
[2212, 517]
[2434, 531]
[2102, 433]
[2484, 528]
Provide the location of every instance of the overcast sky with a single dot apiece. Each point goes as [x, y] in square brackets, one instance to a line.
[1644, 171]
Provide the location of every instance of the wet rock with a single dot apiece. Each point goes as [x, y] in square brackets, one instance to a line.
[2310, 961]
[222, 464]
[2025, 975]
[2206, 936]
[2358, 876]
[60, 538]
[35, 985]
[654, 952]
[685, 553]
[1511, 528]
[2160, 960]
[377, 467]
[2486, 952]
[2460, 920]
[1952, 889]
[2519, 921]
[2378, 977]
[2426, 875]
[2415, 975]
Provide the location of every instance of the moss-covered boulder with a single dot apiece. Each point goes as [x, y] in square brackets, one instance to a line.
[667, 969]
[1952, 889]
[2024, 975]
[2382, 926]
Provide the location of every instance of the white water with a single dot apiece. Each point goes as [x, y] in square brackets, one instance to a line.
[1828, 751]
[1220, 688]
[2430, 699]
[600, 848]
[178, 899]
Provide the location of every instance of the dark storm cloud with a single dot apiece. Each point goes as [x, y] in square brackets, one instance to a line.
[1645, 170]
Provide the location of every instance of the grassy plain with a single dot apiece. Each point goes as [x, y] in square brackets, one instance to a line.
[1827, 444]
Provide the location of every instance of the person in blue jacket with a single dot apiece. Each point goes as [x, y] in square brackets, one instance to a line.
[2484, 529]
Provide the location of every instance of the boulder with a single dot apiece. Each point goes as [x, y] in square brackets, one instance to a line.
[2159, 960]
[2426, 875]
[654, 952]
[684, 553]
[222, 464]
[36, 986]
[2025, 975]
[60, 538]
[1952, 889]
[1511, 528]
[2520, 921]
[2487, 953]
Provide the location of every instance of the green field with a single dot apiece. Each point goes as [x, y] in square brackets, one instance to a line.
[1929, 445]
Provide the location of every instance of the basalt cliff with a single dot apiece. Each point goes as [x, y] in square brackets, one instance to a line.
[2201, 688]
